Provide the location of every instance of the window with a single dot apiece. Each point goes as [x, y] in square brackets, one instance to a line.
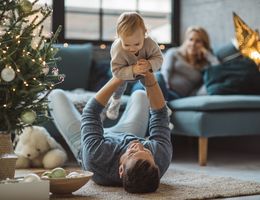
[48, 22]
[95, 20]
[82, 19]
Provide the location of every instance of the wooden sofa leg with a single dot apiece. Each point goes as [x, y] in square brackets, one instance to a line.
[203, 150]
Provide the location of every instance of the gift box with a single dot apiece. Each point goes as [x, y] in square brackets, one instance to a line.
[15, 189]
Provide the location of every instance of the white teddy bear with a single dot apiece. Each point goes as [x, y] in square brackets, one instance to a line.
[36, 148]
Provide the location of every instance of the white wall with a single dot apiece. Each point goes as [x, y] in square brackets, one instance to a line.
[216, 17]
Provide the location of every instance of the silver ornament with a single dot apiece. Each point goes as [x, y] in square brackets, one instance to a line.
[8, 74]
[28, 117]
[26, 6]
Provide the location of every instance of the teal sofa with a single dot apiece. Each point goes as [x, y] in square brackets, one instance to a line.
[204, 117]
[213, 116]
[231, 108]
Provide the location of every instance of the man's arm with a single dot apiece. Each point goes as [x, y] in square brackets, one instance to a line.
[107, 90]
[159, 130]
[92, 140]
[154, 92]
[91, 125]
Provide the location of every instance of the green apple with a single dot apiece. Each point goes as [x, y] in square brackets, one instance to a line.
[46, 174]
[58, 173]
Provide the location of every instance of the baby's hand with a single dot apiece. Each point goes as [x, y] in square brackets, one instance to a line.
[144, 63]
[139, 70]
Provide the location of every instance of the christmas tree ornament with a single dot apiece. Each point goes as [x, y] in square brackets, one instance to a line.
[45, 69]
[26, 6]
[8, 74]
[55, 71]
[28, 116]
[248, 40]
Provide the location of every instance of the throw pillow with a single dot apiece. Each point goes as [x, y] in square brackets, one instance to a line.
[227, 52]
[238, 76]
[100, 74]
[75, 63]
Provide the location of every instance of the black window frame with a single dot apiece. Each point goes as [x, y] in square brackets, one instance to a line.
[58, 18]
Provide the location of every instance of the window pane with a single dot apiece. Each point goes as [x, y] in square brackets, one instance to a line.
[112, 9]
[119, 4]
[159, 28]
[48, 22]
[82, 19]
[163, 6]
[109, 27]
[157, 16]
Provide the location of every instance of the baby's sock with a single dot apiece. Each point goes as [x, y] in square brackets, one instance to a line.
[113, 109]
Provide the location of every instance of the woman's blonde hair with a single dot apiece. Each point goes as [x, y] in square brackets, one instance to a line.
[202, 33]
[200, 63]
[128, 23]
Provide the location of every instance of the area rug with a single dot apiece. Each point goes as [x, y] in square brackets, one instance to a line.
[175, 184]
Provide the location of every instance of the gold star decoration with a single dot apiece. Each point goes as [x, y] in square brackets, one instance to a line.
[248, 40]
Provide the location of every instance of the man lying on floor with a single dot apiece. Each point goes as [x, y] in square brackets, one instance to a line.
[120, 155]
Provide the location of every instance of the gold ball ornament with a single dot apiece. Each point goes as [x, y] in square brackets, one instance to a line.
[28, 117]
[8, 74]
[26, 6]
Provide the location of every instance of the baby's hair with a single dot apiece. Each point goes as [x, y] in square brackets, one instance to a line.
[128, 23]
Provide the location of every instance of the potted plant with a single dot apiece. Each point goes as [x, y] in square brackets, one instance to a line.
[28, 72]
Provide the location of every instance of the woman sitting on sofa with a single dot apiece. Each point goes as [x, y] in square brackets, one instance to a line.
[181, 72]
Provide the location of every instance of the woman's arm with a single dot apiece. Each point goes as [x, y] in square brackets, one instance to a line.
[210, 57]
[168, 65]
[213, 60]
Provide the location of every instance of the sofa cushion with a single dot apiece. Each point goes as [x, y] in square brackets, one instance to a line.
[238, 76]
[75, 63]
[216, 102]
[227, 52]
[216, 123]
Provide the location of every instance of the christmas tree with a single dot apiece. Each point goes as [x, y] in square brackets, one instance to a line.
[28, 69]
